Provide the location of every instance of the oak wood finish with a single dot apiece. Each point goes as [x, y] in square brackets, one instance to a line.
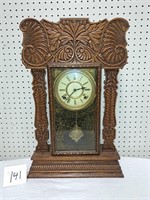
[74, 41]
[109, 120]
[47, 166]
[41, 121]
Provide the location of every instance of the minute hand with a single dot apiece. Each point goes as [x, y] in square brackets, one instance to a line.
[72, 92]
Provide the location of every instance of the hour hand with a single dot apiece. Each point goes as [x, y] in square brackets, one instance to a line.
[83, 88]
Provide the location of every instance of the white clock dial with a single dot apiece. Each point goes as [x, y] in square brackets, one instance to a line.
[74, 89]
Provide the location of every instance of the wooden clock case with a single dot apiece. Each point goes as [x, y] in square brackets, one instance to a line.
[74, 41]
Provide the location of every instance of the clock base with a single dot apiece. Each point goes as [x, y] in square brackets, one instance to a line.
[45, 165]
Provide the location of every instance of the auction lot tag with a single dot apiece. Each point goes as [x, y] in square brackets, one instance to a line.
[14, 175]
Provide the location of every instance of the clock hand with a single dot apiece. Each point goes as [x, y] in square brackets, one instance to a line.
[68, 98]
[80, 88]
[72, 92]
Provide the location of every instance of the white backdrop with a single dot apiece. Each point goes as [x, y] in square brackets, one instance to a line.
[16, 102]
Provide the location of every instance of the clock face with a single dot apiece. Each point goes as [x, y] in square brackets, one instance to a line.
[74, 89]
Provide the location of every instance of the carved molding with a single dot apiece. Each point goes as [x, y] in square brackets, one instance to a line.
[73, 167]
[109, 120]
[41, 121]
[74, 40]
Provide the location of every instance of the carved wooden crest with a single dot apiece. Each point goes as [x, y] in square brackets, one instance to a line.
[74, 40]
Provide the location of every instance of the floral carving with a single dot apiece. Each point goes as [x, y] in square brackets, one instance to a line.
[74, 40]
[35, 44]
[113, 51]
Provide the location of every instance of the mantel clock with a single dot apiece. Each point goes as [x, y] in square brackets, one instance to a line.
[72, 53]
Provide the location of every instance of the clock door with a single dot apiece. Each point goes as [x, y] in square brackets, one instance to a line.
[74, 95]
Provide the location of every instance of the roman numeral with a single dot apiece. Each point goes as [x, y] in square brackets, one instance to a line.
[61, 90]
[81, 78]
[85, 83]
[67, 77]
[63, 83]
[74, 77]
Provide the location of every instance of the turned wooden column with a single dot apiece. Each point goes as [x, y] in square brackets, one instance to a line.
[41, 121]
[109, 120]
